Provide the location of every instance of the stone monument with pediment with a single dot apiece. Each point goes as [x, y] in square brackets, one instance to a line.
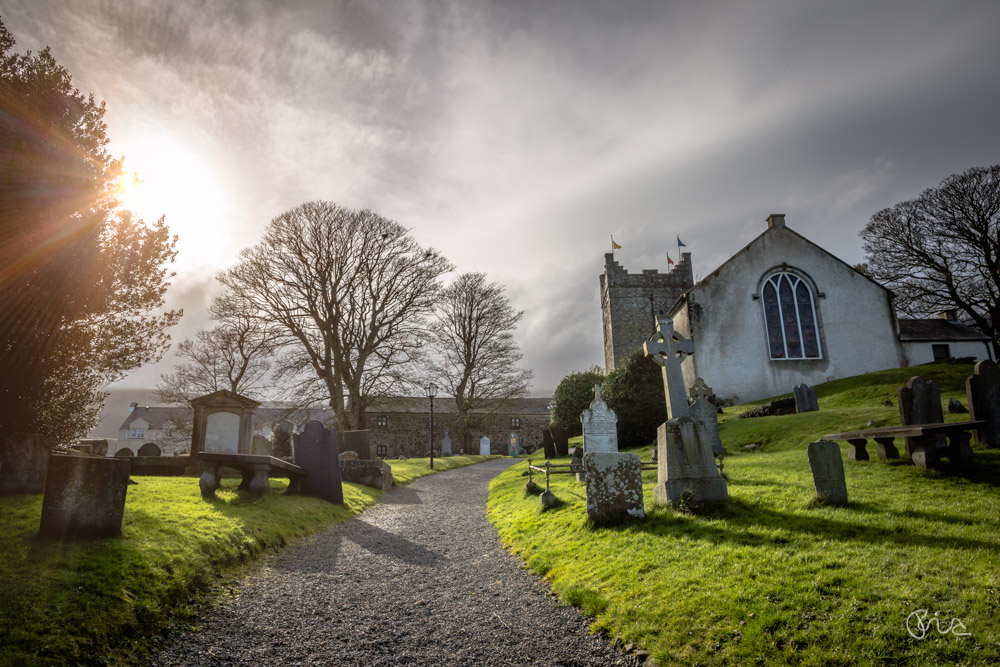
[600, 426]
[685, 464]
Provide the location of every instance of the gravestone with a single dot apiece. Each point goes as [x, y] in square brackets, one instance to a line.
[955, 407]
[548, 444]
[576, 464]
[514, 446]
[317, 454]
[600, 426]
[84, 496]
[982, 391]
[805, 398]
[484, 446]
[349, 456]
[685, 464]
[828, 472]
[24, 458]
[358, 442]
[614, 487]
[561, 438]
[261, 445]
[446, 445]
[705, 412]
[920, 403]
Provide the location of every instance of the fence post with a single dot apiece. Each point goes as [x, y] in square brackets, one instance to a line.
[547, 477]
[529, 471]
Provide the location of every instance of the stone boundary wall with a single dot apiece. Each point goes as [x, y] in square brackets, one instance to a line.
[408, 433]
[630, 301]
[377, 474]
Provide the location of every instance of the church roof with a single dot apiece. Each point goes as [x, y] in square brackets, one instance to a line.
[913, 331]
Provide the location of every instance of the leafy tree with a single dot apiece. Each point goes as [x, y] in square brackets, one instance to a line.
[574, 395]
[79, 278]
[476, 353]
[350, 292]
[634, 390]
[942, 249]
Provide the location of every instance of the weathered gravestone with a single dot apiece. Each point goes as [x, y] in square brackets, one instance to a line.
[705, 412]
[920, 403]
[828, 472]
[349, 456]
[805, 398]
[982, 390]
[358, 442]
[576, 464]
[561, 438]
[261, 446]
[600, 426]
[317, 454]
[84, 496]
[614, 487]
[23, 460]
[548, 444]
[484, 446]
[446, 445]
[685, 464]
[514, 445]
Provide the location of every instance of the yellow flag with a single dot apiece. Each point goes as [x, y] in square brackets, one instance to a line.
[614, 246]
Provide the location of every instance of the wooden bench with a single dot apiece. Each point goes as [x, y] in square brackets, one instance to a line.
[925, 450]
[256, 469]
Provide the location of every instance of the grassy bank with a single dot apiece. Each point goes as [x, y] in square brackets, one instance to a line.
[100, 601]
[404, 472]
[772, 578]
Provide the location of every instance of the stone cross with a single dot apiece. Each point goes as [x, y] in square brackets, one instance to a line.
[668, 349]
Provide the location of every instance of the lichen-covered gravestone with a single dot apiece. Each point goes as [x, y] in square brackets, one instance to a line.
[484, 446]
[561, 438]
[316, 453]
[982, 391]
[548, 444]
[805, 398]
[828, 472]
[600, 426]
[704, 411]
[614, 487]
[920, 403]
[446, 445]
[23, 461]
[84, 496]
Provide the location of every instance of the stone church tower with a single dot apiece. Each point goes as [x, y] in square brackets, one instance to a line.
[630, 302]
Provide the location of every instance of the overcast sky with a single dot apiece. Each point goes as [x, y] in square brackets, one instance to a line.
[517, 136]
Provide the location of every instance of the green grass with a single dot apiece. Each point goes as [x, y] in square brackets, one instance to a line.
[772, 578]
[404, 472]
[101, 601]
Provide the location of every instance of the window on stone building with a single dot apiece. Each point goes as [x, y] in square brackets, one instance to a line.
[138, 433]
[382, 451]
[382, 420]
[941, 351]
[515, 422]
[790, 317]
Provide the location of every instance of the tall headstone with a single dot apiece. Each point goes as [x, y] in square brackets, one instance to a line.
[600, 426]
[23, 461]
[484, 446]
[685, 463]
[805, 398]
[446, 445]
[705, 412]
[982, 390]
[84, 496]
[828, 472]
[513, 445]
[261, 445]
[614, 487]
[561, 438]
[548, 444]
[358, 442]
[920, 403]
[317, 454]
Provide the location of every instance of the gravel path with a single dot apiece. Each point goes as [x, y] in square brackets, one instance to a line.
[419, 579]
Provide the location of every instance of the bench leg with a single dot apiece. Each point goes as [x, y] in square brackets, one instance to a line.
[925, 452]
[857, 451]
[209, 481]
[886, 449]
[959, 450]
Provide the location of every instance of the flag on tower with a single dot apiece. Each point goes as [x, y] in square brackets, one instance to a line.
[680, 244]
[669, 261]
[614, 246]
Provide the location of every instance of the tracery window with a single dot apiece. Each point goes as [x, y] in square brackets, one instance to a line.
[790, 316]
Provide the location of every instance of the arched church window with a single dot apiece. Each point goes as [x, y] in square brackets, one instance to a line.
[790, 316]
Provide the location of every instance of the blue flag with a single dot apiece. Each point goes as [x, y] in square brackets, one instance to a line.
[680, 244]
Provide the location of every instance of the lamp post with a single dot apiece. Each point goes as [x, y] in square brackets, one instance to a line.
[432, 391]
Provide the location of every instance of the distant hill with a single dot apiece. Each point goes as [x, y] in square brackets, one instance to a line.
[116, 409]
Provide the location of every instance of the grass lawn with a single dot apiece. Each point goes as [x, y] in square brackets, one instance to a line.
[100, 601]
[771, 578]
[404, 472]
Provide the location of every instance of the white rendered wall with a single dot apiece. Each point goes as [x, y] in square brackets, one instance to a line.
[856, 323]
[922, 353]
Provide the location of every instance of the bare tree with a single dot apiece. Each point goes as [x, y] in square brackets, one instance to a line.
[477, 354]
[942, 249]
[350, 291]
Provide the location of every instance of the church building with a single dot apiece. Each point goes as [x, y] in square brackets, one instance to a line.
[780, 312]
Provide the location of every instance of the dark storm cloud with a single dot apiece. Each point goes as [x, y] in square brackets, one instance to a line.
[517, 136]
